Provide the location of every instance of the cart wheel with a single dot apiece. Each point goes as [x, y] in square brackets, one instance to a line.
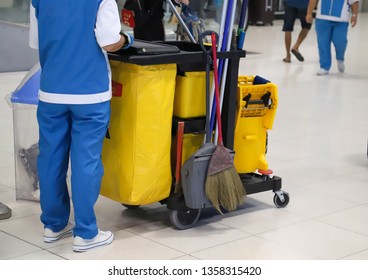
[130, 206]
[277, 201]
[184, 218]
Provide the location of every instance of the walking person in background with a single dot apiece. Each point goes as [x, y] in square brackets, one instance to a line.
[73, 37]
[295, 9]
[332, 23]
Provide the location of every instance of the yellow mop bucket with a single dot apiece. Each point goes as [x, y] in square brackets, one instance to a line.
[256, 109]
[136, 158]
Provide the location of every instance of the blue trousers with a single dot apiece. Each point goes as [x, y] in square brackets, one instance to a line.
[77, 131]
[331, 32]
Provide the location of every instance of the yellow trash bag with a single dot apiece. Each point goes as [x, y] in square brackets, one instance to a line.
[255, 114]
[136, 158]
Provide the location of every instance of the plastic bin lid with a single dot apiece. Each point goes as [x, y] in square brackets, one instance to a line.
[27, 91]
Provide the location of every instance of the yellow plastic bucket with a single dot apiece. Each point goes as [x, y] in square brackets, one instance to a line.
[256, 109]
[190, 95]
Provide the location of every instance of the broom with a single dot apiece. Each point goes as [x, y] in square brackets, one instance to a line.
[223, 185]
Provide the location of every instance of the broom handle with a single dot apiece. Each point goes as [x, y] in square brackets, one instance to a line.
[217, 92]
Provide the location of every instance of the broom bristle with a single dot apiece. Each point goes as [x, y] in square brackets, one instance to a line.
[232, 191]
[225, 189]
[212, 191]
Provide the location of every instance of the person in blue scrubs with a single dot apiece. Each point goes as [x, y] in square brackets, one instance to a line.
[73, 38]
[295, 9]
[332, 22]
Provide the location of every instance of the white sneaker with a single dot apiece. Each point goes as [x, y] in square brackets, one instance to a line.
[51, 236]
[322, 72]
[341, 66]
[102, 238]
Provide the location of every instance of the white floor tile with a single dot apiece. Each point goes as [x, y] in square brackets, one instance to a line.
[318, 239]
[358, 256]
[39, 255]
[261, 220]
[252, 248]
[186, 257]
[29, 229]
[294, 174]
[23, 208]
[353, 219]
[12, 247]
[190, 240]
[362, 175]
[344, 188]
[313, 203]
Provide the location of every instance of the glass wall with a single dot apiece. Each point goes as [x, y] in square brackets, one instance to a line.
[15, 11]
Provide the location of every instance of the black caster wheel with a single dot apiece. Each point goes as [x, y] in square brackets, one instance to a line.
[130, 206]
[184, 218]
[281, 204]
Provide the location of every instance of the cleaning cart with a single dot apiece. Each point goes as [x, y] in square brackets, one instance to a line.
[185, 64]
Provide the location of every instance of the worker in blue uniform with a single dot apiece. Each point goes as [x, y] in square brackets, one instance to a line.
[332, 23]
[73, 38]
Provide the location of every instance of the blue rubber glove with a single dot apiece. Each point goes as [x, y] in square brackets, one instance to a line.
[129, 39]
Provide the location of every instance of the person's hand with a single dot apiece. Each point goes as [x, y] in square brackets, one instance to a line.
[309, 18]
[353, 20]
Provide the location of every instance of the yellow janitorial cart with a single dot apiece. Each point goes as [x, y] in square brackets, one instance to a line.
[156, 86]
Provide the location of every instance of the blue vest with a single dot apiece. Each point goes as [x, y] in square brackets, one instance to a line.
[72, 62]
[332, 7]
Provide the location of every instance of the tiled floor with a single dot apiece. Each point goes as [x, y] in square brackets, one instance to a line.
[318, 146]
